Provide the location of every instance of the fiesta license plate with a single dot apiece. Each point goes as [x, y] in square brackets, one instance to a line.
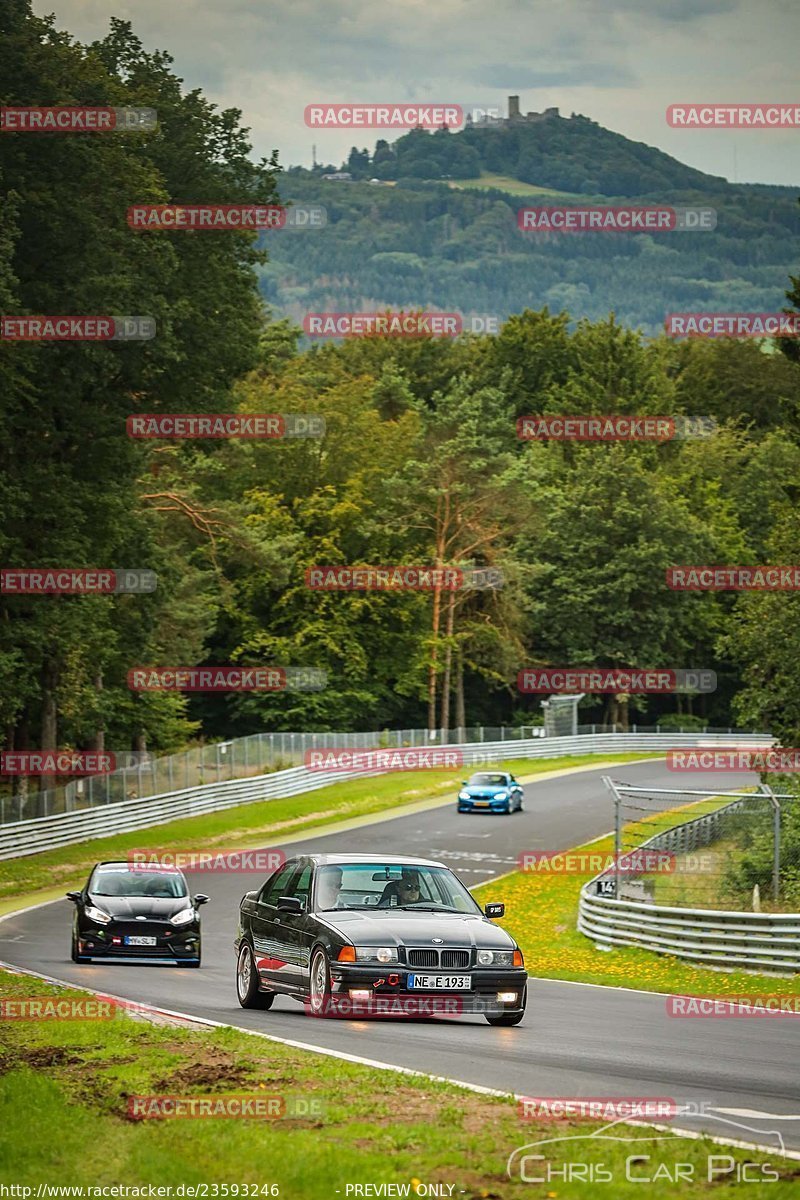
[140, 941]
[440, 983]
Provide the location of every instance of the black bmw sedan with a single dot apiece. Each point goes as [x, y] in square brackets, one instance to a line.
[354, 934]
[126, 911]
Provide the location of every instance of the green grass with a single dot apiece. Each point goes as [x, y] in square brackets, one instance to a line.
[65, 1087]
[263, 823]
[516, 187]
[542, 911]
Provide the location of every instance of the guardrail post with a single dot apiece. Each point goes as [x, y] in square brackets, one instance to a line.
[766, 790]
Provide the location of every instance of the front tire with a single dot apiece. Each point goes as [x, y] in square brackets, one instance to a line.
[248, 992]
[319, 984]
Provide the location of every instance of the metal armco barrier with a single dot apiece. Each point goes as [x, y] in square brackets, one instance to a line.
[750, 940]
[720, 939]
[22, 838]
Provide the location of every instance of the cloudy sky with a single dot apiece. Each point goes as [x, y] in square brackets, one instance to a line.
[621, 62]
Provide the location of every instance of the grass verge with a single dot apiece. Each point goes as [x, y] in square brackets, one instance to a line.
[263, 823]
[66, 1085]
[542, 911]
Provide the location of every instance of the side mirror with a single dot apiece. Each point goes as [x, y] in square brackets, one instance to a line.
[290, 904]
[463, 783]
[73, 896]
[200, 898]
[494, 910]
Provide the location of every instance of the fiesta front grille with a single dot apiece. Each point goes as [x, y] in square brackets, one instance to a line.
[438, 958]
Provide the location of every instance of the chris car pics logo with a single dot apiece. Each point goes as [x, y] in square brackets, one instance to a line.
[648, 1157]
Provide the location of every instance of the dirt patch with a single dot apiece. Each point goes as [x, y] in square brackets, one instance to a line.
[46, 1056]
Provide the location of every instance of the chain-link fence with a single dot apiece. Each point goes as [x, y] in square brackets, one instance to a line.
[693, 848]
[242, 757]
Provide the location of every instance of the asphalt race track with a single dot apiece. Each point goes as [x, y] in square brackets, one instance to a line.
[576, 1040]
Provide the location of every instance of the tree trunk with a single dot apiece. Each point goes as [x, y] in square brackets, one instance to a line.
[461, 717]
[448, 662]
[49, 735]
[99, 740]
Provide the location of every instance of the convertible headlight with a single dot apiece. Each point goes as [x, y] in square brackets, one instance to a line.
[464, 796]
[495, 958]
[501, 795]
[183, 917]
[381, 954]
[97, 915]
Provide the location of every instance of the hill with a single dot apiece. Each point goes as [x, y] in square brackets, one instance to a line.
[435, 240]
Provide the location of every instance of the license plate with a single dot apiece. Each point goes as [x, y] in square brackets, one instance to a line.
[481, 803]
[140, 941]
[441, 983]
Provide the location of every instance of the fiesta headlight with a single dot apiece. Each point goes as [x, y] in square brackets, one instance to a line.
[97, 915]
[381, 954]
[183, 917]
[501, 795]
[464, 796]
[495, 958]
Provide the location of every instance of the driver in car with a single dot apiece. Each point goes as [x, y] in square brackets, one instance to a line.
[404, 890]
[329, 885]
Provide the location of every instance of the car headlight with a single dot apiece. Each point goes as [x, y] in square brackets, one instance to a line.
[464, 796]
[501, 795]
[495, 958]
[381, 954]
[97, 915]
[183, 917]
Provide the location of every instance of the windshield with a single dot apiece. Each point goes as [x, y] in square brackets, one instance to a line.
[390, 886]
[486, 780]
[123, 881]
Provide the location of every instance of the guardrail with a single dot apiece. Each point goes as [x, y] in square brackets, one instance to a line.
[716, 938]
[22, 838]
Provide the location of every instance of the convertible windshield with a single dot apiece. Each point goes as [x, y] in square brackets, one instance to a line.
[390, 885]
[486, 780]
[120, 881]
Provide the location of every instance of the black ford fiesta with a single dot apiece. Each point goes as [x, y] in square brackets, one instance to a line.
[133, 912]
[355, 934]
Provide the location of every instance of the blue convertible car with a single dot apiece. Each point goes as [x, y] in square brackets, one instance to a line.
[490, 791]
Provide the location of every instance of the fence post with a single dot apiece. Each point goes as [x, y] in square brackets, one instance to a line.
[766, 790]
[609, 782]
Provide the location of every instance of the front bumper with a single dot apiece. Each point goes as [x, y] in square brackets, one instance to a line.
[390, 998]
[484, 806]
[175, 943]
